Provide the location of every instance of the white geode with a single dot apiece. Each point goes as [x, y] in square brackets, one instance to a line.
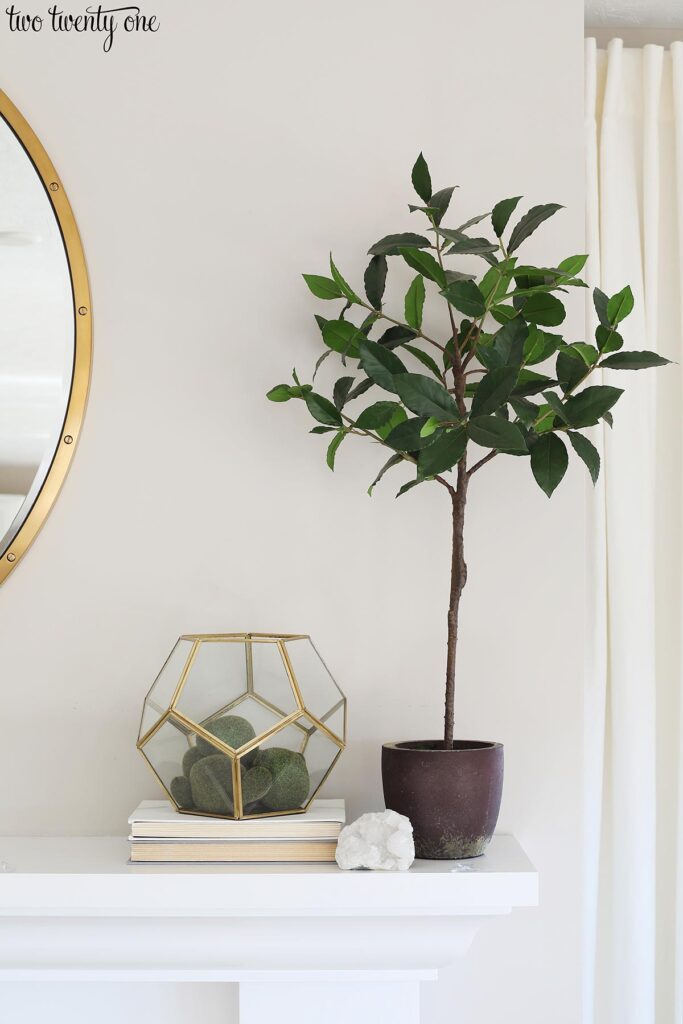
[380, 842]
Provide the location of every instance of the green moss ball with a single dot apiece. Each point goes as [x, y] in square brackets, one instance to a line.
[211, 784]
[191, 757]
[291, 782]
[255, 784]
[231, 729]
[181, 791]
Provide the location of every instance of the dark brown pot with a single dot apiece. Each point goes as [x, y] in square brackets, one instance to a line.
[452, 797]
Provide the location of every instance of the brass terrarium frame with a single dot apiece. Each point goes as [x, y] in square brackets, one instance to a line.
[82, 313]
[298, 718]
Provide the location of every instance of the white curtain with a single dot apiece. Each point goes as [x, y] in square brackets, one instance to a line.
[633, 784]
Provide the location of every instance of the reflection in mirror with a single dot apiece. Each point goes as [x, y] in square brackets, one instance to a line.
[45, 335]
[36, 334]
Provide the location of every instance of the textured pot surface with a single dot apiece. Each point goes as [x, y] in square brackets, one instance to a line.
[452, 797]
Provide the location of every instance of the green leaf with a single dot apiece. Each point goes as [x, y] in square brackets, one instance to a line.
[549, 461]
[396, 336]
[473, 220]
[322, 410]
[458, 275]
[525, 410]
[586, 408]
[391, 245]
[540, 346]
[281, 393]
[400, 416]
[509, 341]
[414, 302]
[466, 297]
[322, 430]
[440, 201]
[573, 265]
[494, 283]
[600, 301]
[546, 420]
[503, 314]
[531, 383]
[620, 305]
[393, 461]
[544, 309]
[345, 288]
[570, 368]
[374, 280]
[409, 486]
[422, 182]
[360, 389]
[319, 362]
[377, 415]
[494, 432]
[425, 397]
[380, 364]
[588, 353]
[423, 358]
[430, 427]
[586, 451]
[634, 361]
[501, 214]
[430, 211]
[448, 449]
[323, 287]
[407, 436]
[463, 245]
[341, 391]
[555, 403]
[529, 222]
[494, 390]
[425, 264]
[333, 448]
[607, 339]
[342, 336]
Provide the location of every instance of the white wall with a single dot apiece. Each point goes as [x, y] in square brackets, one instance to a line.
[209, 165]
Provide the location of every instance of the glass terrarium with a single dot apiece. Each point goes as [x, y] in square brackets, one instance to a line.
[243, 725]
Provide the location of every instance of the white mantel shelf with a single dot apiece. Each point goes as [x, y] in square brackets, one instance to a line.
[74, 909]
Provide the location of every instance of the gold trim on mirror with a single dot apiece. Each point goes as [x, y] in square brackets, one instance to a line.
[82, 310]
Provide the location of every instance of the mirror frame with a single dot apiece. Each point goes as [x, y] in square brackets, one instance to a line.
[82, 357]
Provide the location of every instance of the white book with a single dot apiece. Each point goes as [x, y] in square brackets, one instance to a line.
[158, 819]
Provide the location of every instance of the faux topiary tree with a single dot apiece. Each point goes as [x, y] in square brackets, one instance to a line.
[478, 388]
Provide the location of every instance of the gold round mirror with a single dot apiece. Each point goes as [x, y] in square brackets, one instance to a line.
[45, 335]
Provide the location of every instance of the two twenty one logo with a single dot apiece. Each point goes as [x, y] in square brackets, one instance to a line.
[95, 19]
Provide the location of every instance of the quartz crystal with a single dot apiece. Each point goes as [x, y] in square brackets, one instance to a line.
[380, 842]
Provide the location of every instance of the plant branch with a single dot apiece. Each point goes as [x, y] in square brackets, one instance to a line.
[458, 375]
[458, 580]
[399, 323]
[360, 432]
[482, 462]
[454, 329]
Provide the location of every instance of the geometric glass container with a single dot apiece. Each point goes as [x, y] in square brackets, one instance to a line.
[243, 725]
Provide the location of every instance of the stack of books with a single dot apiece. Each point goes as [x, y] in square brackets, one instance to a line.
[159, 834]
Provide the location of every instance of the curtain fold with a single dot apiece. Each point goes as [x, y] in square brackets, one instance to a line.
[632, 765]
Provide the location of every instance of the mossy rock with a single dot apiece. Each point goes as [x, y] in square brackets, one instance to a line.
[231, 729]
[181, 791]
[191, 757]
[255, 784]
[211, 783]
[291, 781]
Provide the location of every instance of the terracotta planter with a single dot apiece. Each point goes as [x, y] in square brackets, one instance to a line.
[452, 797]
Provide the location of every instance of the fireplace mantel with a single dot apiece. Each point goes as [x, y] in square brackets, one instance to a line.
[305, 942]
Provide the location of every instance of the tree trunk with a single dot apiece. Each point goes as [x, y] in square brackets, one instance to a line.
[458, 580]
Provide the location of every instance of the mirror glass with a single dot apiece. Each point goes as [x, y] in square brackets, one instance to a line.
[37, 334]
